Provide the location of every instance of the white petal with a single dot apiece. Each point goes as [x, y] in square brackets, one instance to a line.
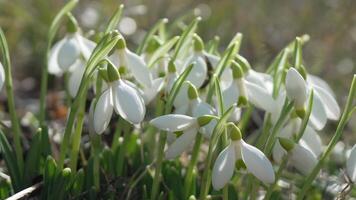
[351, 164]
[312, 141]
[182, 110]
[296, 87]
[303, 159]
[278, 152]
[173, 122]
[86, 46]
[201, 108]
[171, 78]
[2, 76]
[314, 80]
[213, 59]
[230, 95]
[226, 79]
[256, 78]
[151, 92]
[139, 69]
[103, 112]
[128, 103]
[182, 96]
[53, 67]
[329, 102]
[223, 167]
[181, 143]
[199, 71]
[260, 97]
[75, 78]
[318, 117]
[68, 53]
[235, 115]
[257, 163]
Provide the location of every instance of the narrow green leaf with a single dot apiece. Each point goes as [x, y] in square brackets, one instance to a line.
[150, 34]
[161, 51]
[115, 18]
[33, 157]
[219, 95]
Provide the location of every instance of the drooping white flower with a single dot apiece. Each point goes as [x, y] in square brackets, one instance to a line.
[121, 97]
[351, 165]
[255, 161]
[296, 90]
[135, 64]
[187, 127]
[2, 76]
[301, 158]
[310, 139]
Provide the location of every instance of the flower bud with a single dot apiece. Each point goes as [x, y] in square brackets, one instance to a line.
[112, 72]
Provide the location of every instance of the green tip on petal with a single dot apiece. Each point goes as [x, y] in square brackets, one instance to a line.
[113, 73]
[171, 67]
[242, 101]
[122, 70]
[72, 24]
[287, 144]
[240, 164]
[121, 44]
[153, 44]
[205, 119]
[235, 132]
[301, 112]
[237, 71]
[198, 43]
[192, 91]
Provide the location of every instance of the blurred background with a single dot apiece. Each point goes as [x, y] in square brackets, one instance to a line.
[267, 27]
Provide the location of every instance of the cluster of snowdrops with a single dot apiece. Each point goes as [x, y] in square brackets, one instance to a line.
[190, 97]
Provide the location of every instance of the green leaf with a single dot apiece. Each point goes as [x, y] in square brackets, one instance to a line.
[150, 34]
[115, 18]
[219, 96]
[186, 37]
[11, 163]
[162, 51]
[33, 156]
[176, 87]
[50, 173]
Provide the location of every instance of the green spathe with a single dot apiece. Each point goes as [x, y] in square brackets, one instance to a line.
[287, 144]
[192, 91]
[235, 132]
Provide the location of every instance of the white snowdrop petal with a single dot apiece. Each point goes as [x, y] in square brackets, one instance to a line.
[303, 159]
[201, 108]
[316, 81]
[260, 97]
[329, 102]
[102, 112]
[230, 95]
[2, 76]
[351, 164]
[53, 67]
[235, 115]
[149, 93]
[213, 59]
[257, 163]
[139, 69]
[208, 129]
[86, 46]
[181, 143]
[182, 110]
[68, 53]
[278, 152]
[171, 78]
[256, 78]
[75, 78]
[318, 117]
[226, 79]
[128, 103]
[173, 122]
[296, 87]
[198, 73]
[182, 96]
[223, 167]
[312, 141]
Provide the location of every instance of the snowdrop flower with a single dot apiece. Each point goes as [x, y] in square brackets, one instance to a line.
[242, 91]
[296, 90]
[351, 165]
[70, 55]
[171, 76]
[122, 97]
[186, 128]
[310, 139]
[2, 76]
[301, 158]
[196, 108]
[238, 150]
[126, 59]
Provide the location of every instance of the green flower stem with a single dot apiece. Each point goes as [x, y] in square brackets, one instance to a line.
[192, 164]
[338, 133]
[76, 139]
[122, 149]
[11, 101]
[287, 107]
